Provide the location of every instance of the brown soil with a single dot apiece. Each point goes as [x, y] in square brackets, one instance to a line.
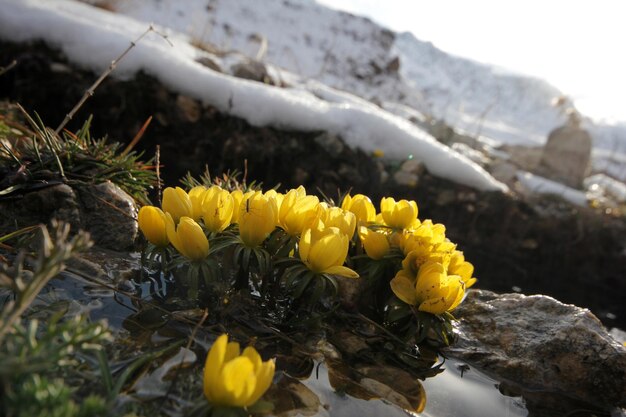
[575, 255]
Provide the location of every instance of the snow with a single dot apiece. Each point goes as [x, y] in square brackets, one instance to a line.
[350, 53]
[534, 184]
[93, 37]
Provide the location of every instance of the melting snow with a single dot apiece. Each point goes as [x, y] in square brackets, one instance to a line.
[93, 37]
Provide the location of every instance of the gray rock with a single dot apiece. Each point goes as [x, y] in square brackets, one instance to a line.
[252, 70]
[503, 171]
[104, 210]
[209, 63]
[110, 215]
[409, 173]
[538, 344]
[567, 155]
[331, 143]
[55, 202]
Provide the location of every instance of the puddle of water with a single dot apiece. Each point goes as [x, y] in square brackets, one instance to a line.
[447, 395]
[456, 392]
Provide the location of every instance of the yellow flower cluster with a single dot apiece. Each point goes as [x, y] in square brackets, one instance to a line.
[434, 275]
[324, 231]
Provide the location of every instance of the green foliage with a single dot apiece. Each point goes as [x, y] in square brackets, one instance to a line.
[31, 348]
[38, 396]
[53, 251]
[31, 355]
[73, 157]
[230, 180]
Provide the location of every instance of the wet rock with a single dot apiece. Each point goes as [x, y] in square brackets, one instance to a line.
[540, 344]
[118, 267]
[110, 215]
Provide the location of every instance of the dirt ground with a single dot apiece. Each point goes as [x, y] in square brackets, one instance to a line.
[575, 255]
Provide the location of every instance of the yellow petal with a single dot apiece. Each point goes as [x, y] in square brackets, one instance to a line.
[404, 289]
[342, 271]
[239, 381]
[253, 355]
[213, 366]
[177, 203]
[376, 244]
[194, 243]
[304, 245]
[152, 224]
[264, 377]
[170, 228]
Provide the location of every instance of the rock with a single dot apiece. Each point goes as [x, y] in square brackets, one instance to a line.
[409, 173]
[566, 155]
[55, 202]
[252, 70]
[117, 267]
[441, 131]
[110, 215]
[104, 210]
[393, 66]
[504, 172]
[538, 344]
[331, 144]
[209, 63]
[188, 108]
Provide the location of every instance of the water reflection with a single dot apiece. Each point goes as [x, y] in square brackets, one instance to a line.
[342, 390]
[459, 392]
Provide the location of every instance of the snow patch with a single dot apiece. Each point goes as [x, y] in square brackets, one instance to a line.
[534, 184]
[92, 37]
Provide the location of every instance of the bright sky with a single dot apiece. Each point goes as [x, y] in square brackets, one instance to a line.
[577, 45]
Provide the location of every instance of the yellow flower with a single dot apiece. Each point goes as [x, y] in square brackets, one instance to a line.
[324, 249]
[257, 218]
[152, 224]
[433, 291]
[217, 209]
[196, 196]
[337, 217]
[416, 258]
[361, 206]
[235, 379]
[188, 238]
[177, 203]
[425, 234]
[376, 244]
[276, 196]
[238, 197]
[297, 211]
[398, 215]
[459, 266]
